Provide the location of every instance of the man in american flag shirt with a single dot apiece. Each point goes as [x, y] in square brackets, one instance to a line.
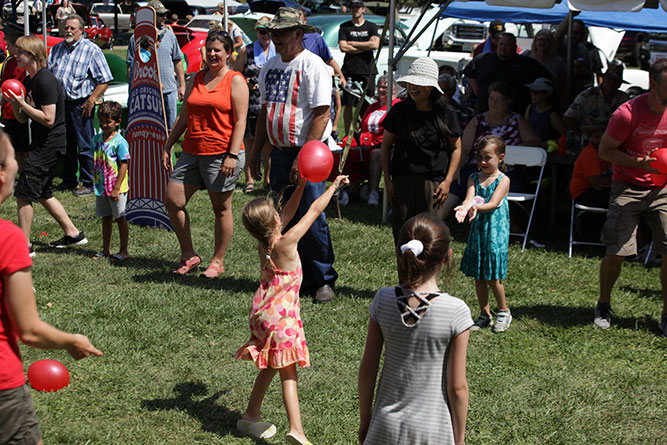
[295, 88]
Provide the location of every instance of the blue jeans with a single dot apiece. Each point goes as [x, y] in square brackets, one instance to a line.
[79, 154]
[315, 248]
[170, 107]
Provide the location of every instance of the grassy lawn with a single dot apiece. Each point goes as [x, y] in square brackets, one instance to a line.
[168, 375]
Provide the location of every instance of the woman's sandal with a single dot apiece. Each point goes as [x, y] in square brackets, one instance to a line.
[293, 440]
[186, 266]
[100, 255]
[213, 271]
[249, 187]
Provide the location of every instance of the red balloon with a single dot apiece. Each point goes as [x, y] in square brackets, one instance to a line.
[658, 179]
[315, 161]
[660, 162]
[48, 375]
[14, 86]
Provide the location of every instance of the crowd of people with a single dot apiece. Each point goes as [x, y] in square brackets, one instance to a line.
[440, 150]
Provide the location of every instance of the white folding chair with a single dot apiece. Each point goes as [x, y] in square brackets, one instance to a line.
[529, 157]
[576, 212]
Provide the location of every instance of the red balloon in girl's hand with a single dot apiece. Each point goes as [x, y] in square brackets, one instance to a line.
[315, 161]
[48, 375]
[660, 162]
[14, 86]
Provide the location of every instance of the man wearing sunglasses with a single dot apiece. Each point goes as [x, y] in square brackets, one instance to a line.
[84, 74]
[172, 75]
[295, 95]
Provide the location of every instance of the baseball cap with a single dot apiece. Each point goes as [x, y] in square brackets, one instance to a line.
[496, 27]
[542, 84]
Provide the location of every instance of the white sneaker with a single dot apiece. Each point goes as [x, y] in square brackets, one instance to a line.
[503, 321]
[373, 198]
[343, 198]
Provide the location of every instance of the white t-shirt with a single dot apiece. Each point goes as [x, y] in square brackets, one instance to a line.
[291, 91]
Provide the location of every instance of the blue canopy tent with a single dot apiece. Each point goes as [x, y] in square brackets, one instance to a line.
[648, 20]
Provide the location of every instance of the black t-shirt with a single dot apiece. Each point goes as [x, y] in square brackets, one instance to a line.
[519, 71]
[418, 147]
[361, 63]
[45, 89]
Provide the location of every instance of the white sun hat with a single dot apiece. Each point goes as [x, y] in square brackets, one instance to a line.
[423, 72]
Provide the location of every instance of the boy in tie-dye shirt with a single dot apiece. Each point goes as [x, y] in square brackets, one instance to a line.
[110, 179]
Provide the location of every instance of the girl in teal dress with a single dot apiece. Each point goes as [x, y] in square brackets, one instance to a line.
[485, 255]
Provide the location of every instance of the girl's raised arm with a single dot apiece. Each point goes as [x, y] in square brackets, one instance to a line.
[457, 385]
[368, 371]
[318, 206]
[293, 203]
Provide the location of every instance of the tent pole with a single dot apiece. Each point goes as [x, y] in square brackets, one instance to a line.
[407, 44]
[569, 53]
[44, 33]
[390, 85]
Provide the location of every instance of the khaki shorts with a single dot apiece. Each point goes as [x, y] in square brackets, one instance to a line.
[18, 419]
[626, 204]
[204, 170]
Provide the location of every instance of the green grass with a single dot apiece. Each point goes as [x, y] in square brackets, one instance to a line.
[168, 375]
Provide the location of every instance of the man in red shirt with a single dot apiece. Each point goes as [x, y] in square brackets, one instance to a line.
[635, 130]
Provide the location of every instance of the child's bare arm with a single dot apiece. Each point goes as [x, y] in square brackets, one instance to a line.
[464, 208]
[368, 371]
[501, 191]
[457, 385]
[316, 208]
[292, 204]
[122, 172]
[22, 311]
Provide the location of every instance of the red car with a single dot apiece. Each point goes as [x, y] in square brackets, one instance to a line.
[94, 30]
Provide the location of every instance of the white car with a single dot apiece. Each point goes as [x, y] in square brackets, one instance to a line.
[106, 13]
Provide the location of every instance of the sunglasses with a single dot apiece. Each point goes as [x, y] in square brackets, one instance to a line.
[218, 32]
[262, 31]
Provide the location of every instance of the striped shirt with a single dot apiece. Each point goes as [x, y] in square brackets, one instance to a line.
[79, 67]
[411, 404]
[291, 91]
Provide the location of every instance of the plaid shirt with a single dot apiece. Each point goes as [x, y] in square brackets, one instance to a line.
[79, 68]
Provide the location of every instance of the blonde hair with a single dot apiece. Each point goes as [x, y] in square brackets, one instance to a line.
[34, 46]
[259, 219]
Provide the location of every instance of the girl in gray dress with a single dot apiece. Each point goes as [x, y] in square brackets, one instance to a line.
[422, 396]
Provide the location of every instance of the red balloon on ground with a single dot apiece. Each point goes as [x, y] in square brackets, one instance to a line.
[660, 162]
[315, 161]
[14, 86]
[48, 375]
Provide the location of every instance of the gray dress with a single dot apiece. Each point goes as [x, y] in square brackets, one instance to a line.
[411, 401]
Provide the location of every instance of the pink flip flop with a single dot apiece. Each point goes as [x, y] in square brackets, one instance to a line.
[213, 271]
[186, 266]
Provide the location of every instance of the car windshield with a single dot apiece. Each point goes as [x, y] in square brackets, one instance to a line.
[103, 9]
[198, 23]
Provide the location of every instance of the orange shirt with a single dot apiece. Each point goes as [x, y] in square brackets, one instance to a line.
[588, 164]
[211, 117]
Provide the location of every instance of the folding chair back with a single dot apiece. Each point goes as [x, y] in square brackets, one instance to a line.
[529, 157]
[576, 212]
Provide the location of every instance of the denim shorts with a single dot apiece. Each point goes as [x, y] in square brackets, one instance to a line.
[204, 170]
[105, 206]
[18, 419]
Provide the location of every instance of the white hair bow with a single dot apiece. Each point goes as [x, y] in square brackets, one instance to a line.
[415, 246]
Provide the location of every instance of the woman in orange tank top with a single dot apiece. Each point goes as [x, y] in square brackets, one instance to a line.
[213, 118]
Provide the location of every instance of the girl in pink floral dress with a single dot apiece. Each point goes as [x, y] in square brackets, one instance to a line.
[277, 341]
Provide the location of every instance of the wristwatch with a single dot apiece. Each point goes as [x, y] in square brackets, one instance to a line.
[233, 155]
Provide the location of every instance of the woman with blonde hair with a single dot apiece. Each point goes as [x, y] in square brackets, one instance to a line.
[44, 104]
